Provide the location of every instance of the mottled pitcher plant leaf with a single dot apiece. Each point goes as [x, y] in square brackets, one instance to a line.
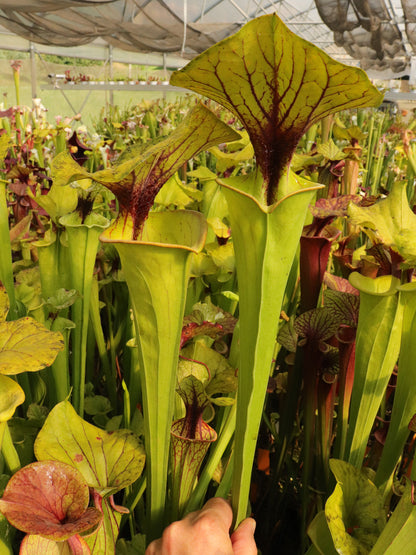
[278, 85]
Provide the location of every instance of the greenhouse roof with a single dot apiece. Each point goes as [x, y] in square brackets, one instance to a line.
[379, 35]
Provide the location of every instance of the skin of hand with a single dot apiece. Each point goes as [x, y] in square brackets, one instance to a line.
[206, 532]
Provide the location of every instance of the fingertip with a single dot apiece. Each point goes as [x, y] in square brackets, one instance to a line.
[248, 525]
[242, 539]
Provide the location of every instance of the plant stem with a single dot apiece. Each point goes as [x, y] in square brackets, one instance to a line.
[6, 268]
[109, 373]
[9, 451]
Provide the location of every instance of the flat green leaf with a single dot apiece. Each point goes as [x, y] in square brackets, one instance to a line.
[97, 404]
[354, 512]
[27, 346]
[392, 219]
[51, 499]
[62, 299]
[278, 85]
[108, 461]
[11, 396]
[350, 133]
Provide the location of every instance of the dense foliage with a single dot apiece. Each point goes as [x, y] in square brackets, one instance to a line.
[334, 451]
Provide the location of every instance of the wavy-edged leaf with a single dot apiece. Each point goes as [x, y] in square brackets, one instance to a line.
[393, 220]
[354, 512]
[278, 85]
[136, 181]
[11, 396]
[27, 346]
[49, 498]
[108, 461]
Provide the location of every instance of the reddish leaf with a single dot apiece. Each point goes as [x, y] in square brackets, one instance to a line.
[337, 206]
[337, 283]
[206, 328]
[50, 499]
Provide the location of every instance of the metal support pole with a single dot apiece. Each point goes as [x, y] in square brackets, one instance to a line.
[110, 69]
[33, 75]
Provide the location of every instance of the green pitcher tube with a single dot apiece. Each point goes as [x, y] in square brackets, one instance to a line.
[156, 268]
[265, 240]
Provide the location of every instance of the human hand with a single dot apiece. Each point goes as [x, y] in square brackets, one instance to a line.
[206, 532]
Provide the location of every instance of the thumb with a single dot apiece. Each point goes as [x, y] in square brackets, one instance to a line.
[243, 538]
